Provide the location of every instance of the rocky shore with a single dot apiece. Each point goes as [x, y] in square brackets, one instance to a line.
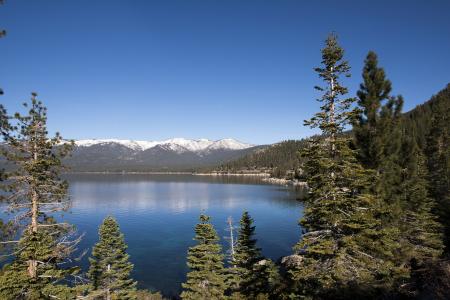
[283, 181]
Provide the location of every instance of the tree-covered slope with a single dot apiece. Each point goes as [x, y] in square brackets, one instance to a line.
[278, 159]
[421, 116]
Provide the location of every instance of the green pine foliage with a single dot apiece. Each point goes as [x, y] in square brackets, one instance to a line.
[437, 150]
[246, 252]
[206, 278]
[387, 143]
[110, 267]
[246, 256]
[33, 191]
[16, 281]
[377, 131]
[345, 248]
[262, 281]
[368, 127]
[419, 227]
[422, 117]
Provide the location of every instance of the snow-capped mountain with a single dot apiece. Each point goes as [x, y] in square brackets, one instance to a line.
[176, 144]
[178, 154]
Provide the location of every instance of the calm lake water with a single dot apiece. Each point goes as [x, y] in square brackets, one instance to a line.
[157, 214]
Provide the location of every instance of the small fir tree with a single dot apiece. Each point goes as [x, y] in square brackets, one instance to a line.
[246, 256]
[206, 278]
[110, 267]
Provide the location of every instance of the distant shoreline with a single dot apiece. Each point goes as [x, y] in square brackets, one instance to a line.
[232, 174]
[265, 176]
[171, 173]
[129, 172]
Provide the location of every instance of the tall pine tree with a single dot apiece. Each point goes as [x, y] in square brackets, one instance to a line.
[110, 267]
[373, 92]
[33, 191]
[345, 249]
[206, 278]
[377, 129]
[388, 146]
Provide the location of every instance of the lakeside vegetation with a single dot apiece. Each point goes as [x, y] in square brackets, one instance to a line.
[376, 222]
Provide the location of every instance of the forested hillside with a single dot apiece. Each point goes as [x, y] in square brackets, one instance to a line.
[278, 159]
[422, 116]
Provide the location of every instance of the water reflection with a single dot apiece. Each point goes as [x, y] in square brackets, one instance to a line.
[157, 214]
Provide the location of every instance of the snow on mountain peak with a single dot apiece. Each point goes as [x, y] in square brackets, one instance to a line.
[176, 144]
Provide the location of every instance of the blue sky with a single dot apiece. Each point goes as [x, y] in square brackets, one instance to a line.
[207, 69]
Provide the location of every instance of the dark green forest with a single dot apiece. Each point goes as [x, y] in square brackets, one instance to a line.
[280, 160]
[376, 223]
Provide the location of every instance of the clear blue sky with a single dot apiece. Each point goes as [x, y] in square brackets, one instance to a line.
[214, 69]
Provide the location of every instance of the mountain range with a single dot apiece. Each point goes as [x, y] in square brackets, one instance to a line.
[178, 154]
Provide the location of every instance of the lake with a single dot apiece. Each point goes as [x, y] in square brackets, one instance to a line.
[157, 214]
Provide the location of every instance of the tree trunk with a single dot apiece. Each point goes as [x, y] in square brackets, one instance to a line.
[32, 264]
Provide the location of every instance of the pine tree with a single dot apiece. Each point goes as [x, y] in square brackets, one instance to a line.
[345, 248]
[15, 280]
[33, 192]
[419, 225]
[389, 147]
[206, 278]
[377, 131]
[375, 89]
[246, 256]
[110, 268]
[437, 151]
[254, 277]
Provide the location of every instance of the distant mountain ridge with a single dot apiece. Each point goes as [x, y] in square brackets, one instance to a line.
[176, 144]
[177, 154]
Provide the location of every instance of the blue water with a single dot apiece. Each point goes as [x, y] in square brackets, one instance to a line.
[157, 214]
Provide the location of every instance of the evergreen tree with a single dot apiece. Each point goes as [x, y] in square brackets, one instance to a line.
[345, 248]
[377, 131]
[247, 254]
[206, 279]
[15, 279]
[110, 268]
[422, 239]
[389, 147]
[437, 151]
[33, 192]
[373, 91]
[245, 258]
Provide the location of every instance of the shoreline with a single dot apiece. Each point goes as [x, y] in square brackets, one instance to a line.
[265, 177]
[129, 172]
[232, 174]
[282, 181]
